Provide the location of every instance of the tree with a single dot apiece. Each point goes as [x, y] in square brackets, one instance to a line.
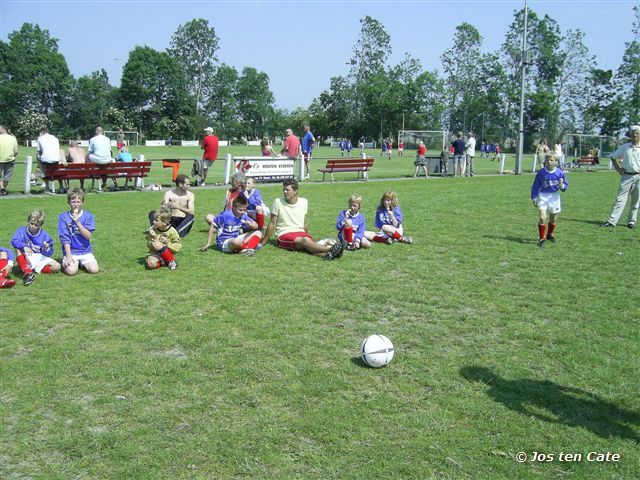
[628, 74]
[194, 46]
[34, 75]
[152, 89]
[222, 104]
[91, 98]
[255, 102]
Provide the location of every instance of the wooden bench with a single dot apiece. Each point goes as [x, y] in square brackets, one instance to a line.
[341, 165]
[93, 171]
[587, 162]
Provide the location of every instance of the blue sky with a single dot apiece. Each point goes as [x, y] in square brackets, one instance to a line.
[301, 44]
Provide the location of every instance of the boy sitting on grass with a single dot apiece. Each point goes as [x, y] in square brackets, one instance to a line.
[163, 241]
[231, 226]
[6, 264]
[75, 229]
[351, 225]
[34, 248]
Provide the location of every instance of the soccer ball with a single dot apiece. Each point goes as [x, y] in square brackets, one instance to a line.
[376, 351]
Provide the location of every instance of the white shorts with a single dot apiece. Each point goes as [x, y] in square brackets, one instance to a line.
[549, 201]
[225, 246]
[207, 163]
[37, 261]
[84, 259]
[399, 229]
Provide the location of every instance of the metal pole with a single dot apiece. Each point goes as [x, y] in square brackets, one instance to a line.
[519, 156]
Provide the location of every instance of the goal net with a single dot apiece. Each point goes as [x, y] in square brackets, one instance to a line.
[130, 138]
[434, 140]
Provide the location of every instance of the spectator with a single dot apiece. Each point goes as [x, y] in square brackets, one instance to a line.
[8, 154]
[541, 151]
[470, 152]
[626, 161]
[361, 143]
[458, 155]
[291, 146]
[557, 151]
[210, 146]
[49, 152]
[289, 222]
[267, 150]
[125, 157]
[119, 140]
[170, 141]
[75, 154]
[181, 204]
[421, 161]
[307, 148]
[99, 148]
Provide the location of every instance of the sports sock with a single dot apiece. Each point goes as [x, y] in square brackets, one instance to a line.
[23, 263]
[260, 220]
[552, 227]
[252, 243]
[379, 239]
[541, 229]
[166, 255]
[348, 234]
[396, 235]
[46, 269]
[3, 263]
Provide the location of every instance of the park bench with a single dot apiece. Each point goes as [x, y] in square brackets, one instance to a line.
[587, 162]
[341, 165]
[93, 171]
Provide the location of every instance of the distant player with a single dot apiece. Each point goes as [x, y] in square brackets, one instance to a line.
[389, 221]
[236, 231]
[6, 264]
[401, 148]
[351, 225]
[343, 147]
[75, 229]
[34, 248]
[549, 181]
[163, 241]
[349, 147]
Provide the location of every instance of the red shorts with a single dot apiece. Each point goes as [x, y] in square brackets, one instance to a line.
[286, 240]
[120, 145]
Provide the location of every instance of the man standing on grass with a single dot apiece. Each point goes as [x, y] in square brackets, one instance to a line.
[8, 154]
[307, 148]
[629, 169]
[289, 222]
[470, 152]
[291, 146]
[210, 155]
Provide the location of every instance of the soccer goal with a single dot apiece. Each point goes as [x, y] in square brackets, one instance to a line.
[130, 138]
[434, 140]
[581, 145]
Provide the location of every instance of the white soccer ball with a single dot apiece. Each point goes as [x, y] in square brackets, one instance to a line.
[376, 351]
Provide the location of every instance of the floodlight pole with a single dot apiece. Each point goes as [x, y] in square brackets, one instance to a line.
[519, 156]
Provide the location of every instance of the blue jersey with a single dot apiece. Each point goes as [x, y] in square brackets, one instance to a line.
[307, 142]
[254, 199]
[124, 157]
[10, 255]
[349, 146]
[548, 182]
[39, 243]
[229, 226]
[70, 235]
[343, 145]
[358, 222]
[383, 218]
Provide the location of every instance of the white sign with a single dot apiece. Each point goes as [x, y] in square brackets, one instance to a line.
[154, 143]
[223, 143]
[253, 143]
[190, 143]
[265, 168]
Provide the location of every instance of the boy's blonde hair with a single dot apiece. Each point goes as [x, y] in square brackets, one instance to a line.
[391, 195]
[37, 216]
[355, 198]
[549, 156]
[163, 214]
[75, 193]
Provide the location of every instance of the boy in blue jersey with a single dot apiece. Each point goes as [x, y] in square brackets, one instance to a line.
[343, 147]
[549, 181]
[349, 147]
[351, 225]
[256, 209]
[237, 232]
[389, 221]
[75, 229]
[6, 264]
[34, 248]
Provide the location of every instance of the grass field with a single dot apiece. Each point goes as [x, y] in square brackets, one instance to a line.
[234, 367]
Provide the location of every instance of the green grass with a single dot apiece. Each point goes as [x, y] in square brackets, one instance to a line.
[234, 367]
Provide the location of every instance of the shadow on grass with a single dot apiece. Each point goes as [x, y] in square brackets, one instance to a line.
[589, 222]
[524, 241]
[555, 403]
[358, 362]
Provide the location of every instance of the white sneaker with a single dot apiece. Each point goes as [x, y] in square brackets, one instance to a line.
[172, 265]
[306, 177]
[326, 241]
[249, 252]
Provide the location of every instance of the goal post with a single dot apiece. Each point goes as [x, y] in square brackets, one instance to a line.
[130, 137]
[582, 145]
[434, 140]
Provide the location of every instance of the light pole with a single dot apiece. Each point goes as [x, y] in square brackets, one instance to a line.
[523, 66]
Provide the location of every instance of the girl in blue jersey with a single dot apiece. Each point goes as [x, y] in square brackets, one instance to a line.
[6, 264]
[389, 221]
[351, 225]
[549, 181]
[34, 248]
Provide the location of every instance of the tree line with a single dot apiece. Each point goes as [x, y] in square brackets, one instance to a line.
[179, 91]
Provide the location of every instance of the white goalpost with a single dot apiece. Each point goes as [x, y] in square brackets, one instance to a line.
[434, 140]
[130, 137]
[579, 145]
